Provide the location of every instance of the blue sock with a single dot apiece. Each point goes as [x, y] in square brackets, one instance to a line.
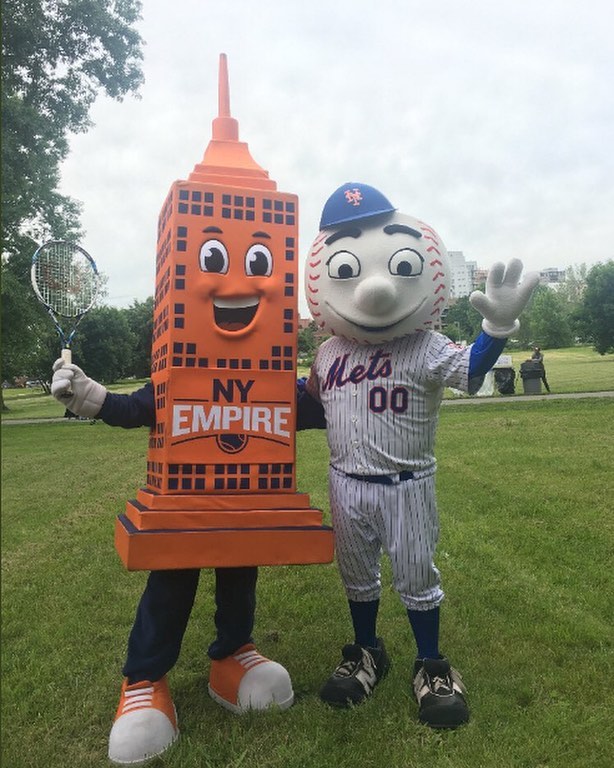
[364, 619]
[425, 626]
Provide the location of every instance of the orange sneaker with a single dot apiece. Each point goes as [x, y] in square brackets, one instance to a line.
[145, 722]
[246, 680]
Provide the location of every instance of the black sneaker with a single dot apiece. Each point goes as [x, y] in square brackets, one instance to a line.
[440, 694]
[355, 678]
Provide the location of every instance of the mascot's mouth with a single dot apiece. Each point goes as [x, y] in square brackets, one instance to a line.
[378, 328]
[234, 314]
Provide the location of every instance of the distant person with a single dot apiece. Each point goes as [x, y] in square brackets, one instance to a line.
[539, 357]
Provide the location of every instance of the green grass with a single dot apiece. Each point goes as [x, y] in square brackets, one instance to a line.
[33, 403]
[575, 369]
[525, 496]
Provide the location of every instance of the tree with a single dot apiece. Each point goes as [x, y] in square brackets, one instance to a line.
[307, 342]
[462, 321]
[598, 305]
[549, 319]
[104, 345]
[572, 291]
[26, 327]
[56, 56]
[140, 320]
[573, 287]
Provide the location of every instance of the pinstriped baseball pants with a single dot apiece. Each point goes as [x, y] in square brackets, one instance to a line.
[399, 519]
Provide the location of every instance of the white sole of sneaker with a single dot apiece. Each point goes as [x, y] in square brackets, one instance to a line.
[240, 710]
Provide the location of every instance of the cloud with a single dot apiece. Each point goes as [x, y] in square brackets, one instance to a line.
[492, 122]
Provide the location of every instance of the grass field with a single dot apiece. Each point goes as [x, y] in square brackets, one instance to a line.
[33, 403]
[526, 496]
[577, 369]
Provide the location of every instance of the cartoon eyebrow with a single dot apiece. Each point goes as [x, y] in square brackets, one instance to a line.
[347, 232]
[261, 234]
[213, 229]
[393, 229]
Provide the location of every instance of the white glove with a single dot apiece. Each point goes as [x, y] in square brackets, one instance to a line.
[505, 298]
[76, 391]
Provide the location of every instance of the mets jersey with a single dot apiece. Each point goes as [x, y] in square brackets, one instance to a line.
[381, 401]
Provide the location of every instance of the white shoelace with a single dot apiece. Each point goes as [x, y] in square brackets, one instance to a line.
[138, 699]
[249, 659]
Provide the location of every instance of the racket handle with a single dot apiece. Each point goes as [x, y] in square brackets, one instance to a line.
[67, 356]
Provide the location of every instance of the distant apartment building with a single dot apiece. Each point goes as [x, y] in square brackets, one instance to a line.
[479, 278]
[468, 277]
[463, 275]
[552, 277]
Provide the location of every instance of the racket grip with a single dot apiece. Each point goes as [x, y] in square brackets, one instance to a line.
[67, 356]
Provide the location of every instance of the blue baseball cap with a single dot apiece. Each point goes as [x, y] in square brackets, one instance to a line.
[353, 201]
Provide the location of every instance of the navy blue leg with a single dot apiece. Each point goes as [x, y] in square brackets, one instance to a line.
[364, 619]
[235, 600]
[425, 626]
[160, 623]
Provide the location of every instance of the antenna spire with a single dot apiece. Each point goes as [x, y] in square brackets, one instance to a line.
[225, 127]
[227, 160]
[223, 89]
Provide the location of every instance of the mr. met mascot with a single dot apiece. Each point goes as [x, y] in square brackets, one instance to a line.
[377, 281]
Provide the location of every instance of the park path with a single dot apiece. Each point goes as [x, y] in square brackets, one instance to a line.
[449, 401]
[524, 398]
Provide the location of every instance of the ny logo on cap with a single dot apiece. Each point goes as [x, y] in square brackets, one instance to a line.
[353, 196]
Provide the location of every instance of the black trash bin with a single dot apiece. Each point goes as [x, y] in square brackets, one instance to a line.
[504, 380]
[531, 373]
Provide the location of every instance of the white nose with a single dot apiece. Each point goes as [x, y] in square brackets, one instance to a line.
[376, 296]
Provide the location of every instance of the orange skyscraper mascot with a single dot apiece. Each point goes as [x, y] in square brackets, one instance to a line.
[223, 407]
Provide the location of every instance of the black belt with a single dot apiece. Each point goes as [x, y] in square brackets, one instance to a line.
[383, 479]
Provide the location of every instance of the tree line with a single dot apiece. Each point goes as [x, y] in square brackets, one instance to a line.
[115, 343]
[579, 311]
[110, 344]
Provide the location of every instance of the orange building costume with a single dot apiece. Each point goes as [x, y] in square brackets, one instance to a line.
[222, 406]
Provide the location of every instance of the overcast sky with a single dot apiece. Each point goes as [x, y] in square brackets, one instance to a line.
[491, 121]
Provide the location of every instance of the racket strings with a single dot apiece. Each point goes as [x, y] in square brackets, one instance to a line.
[66, 280]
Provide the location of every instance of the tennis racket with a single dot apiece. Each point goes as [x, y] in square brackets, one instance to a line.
[65, 280]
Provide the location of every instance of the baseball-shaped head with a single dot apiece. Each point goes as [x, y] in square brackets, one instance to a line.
[374, 274]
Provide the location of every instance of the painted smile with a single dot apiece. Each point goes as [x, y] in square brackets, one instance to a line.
[234, 314]
[377, 328]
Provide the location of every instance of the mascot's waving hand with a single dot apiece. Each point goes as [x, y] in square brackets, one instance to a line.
[378, 281]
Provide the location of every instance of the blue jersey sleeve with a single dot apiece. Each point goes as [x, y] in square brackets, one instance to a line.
[134, 410]
[484, 353]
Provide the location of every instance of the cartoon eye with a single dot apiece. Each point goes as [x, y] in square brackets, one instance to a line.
[343, 265]
[258, 261]
[406, 263]
[214, 257]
